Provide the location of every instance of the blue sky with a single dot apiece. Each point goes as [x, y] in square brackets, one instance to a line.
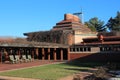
[20, 16]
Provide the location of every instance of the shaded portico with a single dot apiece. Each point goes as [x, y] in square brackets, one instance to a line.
[41, 51]
[51, 53]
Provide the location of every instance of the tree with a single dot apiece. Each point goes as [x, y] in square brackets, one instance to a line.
[114, 23]
[95, 24]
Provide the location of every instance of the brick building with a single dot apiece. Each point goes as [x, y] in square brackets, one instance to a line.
[68, 31]
[69, 39]
[103, 48]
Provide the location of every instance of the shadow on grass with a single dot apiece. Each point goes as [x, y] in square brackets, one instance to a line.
[110, 65]
[85, 64]
[79, 70]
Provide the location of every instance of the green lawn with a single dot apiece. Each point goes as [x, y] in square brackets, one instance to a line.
[47, 72]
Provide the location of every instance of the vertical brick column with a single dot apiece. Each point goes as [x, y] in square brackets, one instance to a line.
[54, 53]
[68, 53]
[61, 54]
[48, 53]
[43, 52]
[6, 54]
[0, 57]
[33, 54]
[36, 51]
[18, 52]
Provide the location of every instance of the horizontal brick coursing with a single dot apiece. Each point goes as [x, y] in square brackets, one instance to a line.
[95, 57]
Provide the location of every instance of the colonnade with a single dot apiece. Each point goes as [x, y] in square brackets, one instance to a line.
[52, 53]
[36, 53]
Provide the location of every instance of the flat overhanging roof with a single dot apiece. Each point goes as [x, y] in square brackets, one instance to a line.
[99, 43]
[33, 44]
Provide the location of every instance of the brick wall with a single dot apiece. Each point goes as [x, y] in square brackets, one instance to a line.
[70, 39]
[95, 57]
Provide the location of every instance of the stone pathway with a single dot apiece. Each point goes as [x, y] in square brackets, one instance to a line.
[8, 66]
[77, 76]
[15, 78]
[67, 78]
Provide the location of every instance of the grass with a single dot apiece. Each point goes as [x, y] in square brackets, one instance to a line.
[47, 72]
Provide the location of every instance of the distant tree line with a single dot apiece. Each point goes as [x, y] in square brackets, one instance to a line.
[97, 25]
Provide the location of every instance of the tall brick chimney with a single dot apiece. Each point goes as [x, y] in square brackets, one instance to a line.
[71, 17]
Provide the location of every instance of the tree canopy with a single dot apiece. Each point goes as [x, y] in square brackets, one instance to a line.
[95, 24]
[114, 23]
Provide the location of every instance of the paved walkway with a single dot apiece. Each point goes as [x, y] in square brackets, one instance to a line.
[8, 66]
[15, 78]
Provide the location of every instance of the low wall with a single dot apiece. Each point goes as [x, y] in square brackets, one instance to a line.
[95, 57]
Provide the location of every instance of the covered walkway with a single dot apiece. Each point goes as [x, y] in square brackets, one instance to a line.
[40, 51]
